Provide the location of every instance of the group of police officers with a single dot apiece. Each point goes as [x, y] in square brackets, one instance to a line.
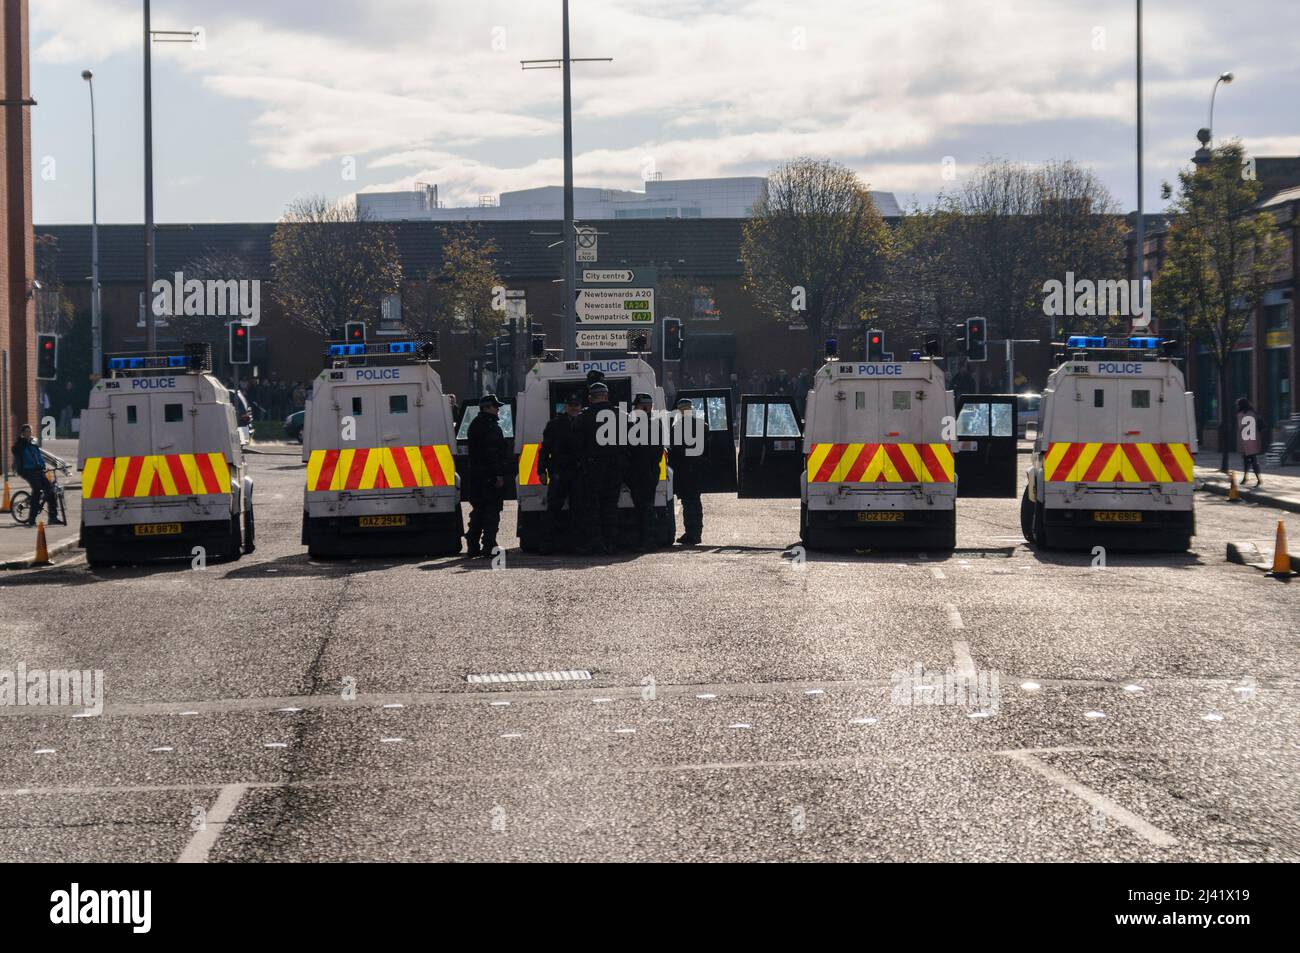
[585, 472]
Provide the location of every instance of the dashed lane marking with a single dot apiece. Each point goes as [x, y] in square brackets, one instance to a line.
[1094, 799]
[201, 844]
[937, 572]
[954, 617]
[965, 662]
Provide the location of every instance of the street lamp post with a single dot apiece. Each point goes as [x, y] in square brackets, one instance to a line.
[150, 331]
[1140, 247]
[1224, 78]
[569, 319]
[96, 325]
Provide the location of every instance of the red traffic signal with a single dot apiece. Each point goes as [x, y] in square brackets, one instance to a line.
[875, 345]
[47, 357]
[355, 331]
[240, 344]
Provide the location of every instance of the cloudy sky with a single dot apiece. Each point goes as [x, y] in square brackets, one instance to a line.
[286, 96]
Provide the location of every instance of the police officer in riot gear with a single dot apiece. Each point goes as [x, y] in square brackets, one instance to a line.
[603, 461]
[489, 467]
[643, 459]
[559, 464]
[687, 472]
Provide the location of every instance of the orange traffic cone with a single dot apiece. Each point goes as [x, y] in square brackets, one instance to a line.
[5, 506]
[1233, 496]
[42, 553]
[1281, 559]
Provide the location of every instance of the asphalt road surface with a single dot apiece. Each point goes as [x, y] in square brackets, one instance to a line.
[743, 703]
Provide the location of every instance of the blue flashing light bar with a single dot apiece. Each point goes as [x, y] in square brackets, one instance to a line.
[379, 349]
[151, 362]
[347, 350]
[1099, 341]
[401, 347]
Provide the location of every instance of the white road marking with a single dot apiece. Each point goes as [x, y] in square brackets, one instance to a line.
[954, 617]
[961, 652]
[1212, 716]
[201, 844]
[188, 713]
[863, 721]
[43, 751]
[1134, 688]
[391, 741]
[288, 711]
[624, 731]
[511, 734]
[1099, 801]
[1030, 686]
[980, 714]
[601, 701]
[739, 726]
[162, 749]
[399, 705]
[814, 691]
[705, 696]
[937, 572]
[275, 744]
[1094, 714]
[500, 704]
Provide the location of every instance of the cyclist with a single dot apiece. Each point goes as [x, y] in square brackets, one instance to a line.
[29, 462]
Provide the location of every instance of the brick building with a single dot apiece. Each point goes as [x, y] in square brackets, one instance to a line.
[1263, 367]
[726, 334]
[17, 255]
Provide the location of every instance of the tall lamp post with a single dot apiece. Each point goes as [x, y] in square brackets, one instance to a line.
[96, 326]
[1140, 249]
[569, 320]
[1224, 78]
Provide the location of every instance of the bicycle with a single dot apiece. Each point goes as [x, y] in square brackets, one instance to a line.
[20, 503]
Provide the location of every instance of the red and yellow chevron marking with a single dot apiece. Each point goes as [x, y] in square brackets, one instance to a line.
[380, 468]
[528, 457]
[880, 463]
[169, 474]
[1118, 463]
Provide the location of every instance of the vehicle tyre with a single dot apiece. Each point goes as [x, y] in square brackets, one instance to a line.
[249, 541]
[950, 534]
[97, 558]
[234, 548]
[1180, 543]
[1027, 517]
[807, 536]
[20, 505]
[666, 525]
[1040, 526]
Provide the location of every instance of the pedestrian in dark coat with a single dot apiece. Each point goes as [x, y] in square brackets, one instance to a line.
[687, 461]
[489, 468]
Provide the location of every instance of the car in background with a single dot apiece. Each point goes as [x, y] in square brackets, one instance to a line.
[243, 416]
[293, 425]
[1028, 412]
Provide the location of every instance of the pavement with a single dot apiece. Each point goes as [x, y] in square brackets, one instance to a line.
[1280, 485]
[741, 701]
[18, 542]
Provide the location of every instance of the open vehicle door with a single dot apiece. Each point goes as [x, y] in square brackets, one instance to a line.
[985, 448]
[771, 448]
[714, 405]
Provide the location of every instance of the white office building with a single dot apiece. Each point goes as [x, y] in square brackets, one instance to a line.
[662, 198]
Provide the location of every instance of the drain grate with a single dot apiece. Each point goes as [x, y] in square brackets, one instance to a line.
[492, 678]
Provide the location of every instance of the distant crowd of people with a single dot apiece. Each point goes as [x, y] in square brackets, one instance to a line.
[275, 399]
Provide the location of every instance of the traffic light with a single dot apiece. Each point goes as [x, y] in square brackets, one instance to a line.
[977, 339]
[354, 332]
[240, 343]
[875, 345]
[47, 357]
[674, 339]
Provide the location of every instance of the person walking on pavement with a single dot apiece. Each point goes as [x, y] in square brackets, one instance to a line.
[643, 460]
[560, 465]
[29, 462]
[1248, 434]
[602, 471]
[489, 466]
[687, 472]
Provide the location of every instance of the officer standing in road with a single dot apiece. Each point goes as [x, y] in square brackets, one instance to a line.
[489, 466]
[687, 473]
[559, 465]
[643, 459]
[603, 463]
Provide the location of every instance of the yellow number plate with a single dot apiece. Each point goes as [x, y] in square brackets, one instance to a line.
[879, 516]
[157, 529]
[367, 521]
[1117, 516]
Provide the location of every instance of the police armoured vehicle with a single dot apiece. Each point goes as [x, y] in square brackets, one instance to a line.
[548, 385]
[162, 468]
[878, 468]
[1112, 462]
[377, 441]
